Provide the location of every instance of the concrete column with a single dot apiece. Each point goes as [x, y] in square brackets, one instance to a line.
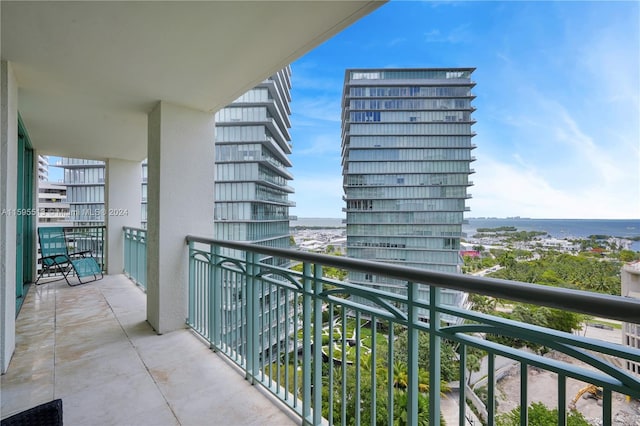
[122, 196]
[179, 202]
[8, 204]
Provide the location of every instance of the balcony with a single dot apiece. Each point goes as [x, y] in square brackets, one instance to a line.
[91, 347]
[261, 321]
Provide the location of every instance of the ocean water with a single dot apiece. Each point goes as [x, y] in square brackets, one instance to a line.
[565, 228]
[558, 228]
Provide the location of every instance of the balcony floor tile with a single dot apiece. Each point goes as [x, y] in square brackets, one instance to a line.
[91, 346]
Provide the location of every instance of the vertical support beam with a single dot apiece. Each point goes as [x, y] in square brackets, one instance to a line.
[122, 195]
[8, 203]
[180, 202]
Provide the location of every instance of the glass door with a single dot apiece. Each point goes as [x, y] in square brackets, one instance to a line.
[26, 215]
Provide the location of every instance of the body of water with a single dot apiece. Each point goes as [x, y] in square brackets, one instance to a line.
[565, 228]
[558, 228]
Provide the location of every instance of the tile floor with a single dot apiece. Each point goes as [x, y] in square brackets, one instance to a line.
[91, 346]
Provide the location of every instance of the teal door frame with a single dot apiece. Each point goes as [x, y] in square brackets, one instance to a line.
[26, 215]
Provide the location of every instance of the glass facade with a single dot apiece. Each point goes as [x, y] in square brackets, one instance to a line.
[84, 180]
[252, 147]
[252, 161]
[406, 149]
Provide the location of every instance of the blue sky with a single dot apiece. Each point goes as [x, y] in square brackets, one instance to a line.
[558, 95]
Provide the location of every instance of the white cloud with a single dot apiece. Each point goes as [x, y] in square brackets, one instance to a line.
[503, 189]
[319, 108]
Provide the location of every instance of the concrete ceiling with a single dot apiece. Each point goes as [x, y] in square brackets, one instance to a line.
[89, 72]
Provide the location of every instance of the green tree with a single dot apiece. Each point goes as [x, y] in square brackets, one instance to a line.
[628, 255]
[540, 415]
[448, 357]
[507, 259]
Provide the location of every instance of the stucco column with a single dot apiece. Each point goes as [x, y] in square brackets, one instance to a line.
[179, 202]
[122, 196]
[8, 204]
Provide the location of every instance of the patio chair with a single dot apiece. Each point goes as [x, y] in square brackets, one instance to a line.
[54, 247]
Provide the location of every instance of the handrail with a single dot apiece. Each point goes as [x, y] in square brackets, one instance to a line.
[124, 228]
[614, 307]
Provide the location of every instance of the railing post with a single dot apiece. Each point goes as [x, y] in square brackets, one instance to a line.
[412, 355]
[142, 259]
[462, 369]
[307, 291]
[125, 254]
[434, 355]
[192, 286]
[253, 330]
[215, 297]
[317, 345]
[104, 248]
[210, 302]
[491, 388]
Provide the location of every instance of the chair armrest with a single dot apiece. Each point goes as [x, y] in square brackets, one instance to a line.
[80, 253]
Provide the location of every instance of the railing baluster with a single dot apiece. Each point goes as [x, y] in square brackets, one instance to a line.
[462, 372]
[317, 345]
[330, 355]
[434, 348]
[562, 400]
[524, 394]
[358, 366]
[390, 362]
[491, 388]
[192, 285]
[252, 320]
[373, 361]
[343, 366]
[607, 407]
[306, 343]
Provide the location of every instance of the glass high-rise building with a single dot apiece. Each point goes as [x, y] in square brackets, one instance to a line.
[252, 197]
[406, 148]
[84, 180]
[252, 161]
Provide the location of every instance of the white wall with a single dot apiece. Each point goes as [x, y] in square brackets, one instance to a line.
[8, 202]
[122, 194]
[180, 202]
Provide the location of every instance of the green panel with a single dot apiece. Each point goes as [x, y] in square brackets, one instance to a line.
[25, 214]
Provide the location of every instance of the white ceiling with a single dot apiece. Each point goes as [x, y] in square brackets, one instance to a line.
[89, 72]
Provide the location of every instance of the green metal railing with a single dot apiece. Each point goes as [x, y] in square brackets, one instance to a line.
[83, 238]
[369, 367]
[135, 255]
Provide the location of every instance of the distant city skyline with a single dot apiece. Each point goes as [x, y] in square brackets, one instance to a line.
[558, 101]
